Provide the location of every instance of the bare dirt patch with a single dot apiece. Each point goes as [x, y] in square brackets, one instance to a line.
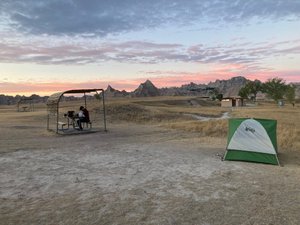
[138, 174]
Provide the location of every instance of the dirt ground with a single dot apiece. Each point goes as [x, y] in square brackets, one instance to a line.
[136, 174]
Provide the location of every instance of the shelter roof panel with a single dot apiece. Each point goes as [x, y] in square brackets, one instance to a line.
[54, 98]
[78, 91]
[25, 99]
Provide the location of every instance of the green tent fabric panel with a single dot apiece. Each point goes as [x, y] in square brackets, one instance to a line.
[233, 125]
[237, 155]
[271, 127]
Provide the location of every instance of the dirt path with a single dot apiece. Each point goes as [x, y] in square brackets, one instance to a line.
[138, 175]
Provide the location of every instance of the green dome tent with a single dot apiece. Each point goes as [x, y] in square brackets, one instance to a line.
[252, 140]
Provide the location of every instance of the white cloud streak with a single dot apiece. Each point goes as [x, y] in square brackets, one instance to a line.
[141, 52]
[102, 17]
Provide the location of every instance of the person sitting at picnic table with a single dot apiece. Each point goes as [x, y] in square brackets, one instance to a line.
[83, 117]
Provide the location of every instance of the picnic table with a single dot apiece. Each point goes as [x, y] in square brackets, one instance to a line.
[71, 120]
[25, 108]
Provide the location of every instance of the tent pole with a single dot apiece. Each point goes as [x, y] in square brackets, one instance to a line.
[224, 155]
[277, 160]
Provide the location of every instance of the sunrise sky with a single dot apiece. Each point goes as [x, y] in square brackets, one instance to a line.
[54, 45]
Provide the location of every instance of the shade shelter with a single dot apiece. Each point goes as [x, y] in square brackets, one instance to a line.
[56, 115]
[25, 104]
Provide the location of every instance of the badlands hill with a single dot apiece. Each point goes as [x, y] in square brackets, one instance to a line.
[227, 88]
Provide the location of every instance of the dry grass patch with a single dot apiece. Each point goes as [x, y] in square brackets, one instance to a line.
[173, 113]
[212, 128]
[288, 123]
[176, 113]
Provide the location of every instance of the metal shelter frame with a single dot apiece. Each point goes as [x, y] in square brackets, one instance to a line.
[54, 100]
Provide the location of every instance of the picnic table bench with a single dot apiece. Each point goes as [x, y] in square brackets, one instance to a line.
[62, 124]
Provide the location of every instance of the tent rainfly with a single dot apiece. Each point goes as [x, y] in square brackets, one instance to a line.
[252, 140]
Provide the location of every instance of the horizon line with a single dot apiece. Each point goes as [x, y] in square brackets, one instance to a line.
[47, 88]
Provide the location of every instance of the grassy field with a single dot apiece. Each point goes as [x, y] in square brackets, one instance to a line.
[177, 113]
[180, 113]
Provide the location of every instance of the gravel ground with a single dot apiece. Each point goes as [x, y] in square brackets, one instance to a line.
[136, 174]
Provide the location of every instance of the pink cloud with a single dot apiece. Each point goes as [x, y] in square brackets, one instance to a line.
[288, 76]
[159, 78]
[222, 72]
[27, 88]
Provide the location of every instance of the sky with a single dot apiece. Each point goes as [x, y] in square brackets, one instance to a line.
[48, 46]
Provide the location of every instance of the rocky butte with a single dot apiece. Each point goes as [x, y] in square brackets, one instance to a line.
[227, 88]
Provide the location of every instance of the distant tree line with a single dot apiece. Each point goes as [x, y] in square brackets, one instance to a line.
[274, 88]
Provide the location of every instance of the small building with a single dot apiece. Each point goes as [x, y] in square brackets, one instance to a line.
[232, 102]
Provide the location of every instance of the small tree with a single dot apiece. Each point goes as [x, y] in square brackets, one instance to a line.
[290, 93]
[219, 96]
[251, 88]
[275, 88]
[97, 96]
[215, 94]
[244, 92]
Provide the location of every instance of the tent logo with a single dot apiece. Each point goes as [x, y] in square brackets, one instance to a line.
[252, 130]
